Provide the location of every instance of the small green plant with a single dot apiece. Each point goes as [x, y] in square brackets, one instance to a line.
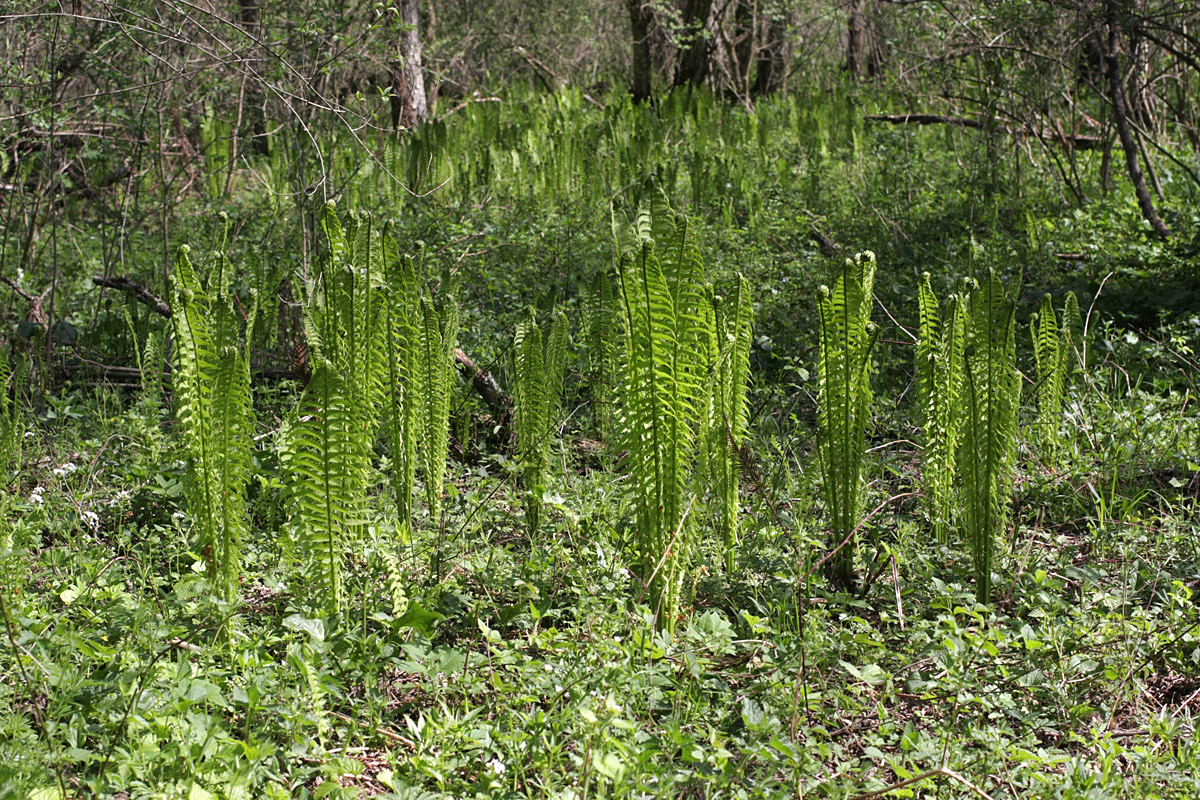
[213, 405]
[847, 337]
[939, 371]
[991, 393]
[539, 356]
[727, 417]
[662, 295]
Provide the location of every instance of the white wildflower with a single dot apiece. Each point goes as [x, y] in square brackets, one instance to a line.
[91, 519]
[36, 495]
[497, 766]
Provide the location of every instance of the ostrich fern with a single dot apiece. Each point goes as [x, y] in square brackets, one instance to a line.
[991, 396]
[11, 434]
[213, 405]
[727, 412]
[539, 354]
[939, 370]
[1050, 359]
[601, 323]
[844, 402]
[436, 341]
[328, 444]
[403, 325]
[662, 293]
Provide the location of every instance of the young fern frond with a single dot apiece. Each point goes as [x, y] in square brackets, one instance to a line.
[727, 411]
[1074, 345]
[991, 397]
[215, 412]
[11, 430]
[1050, 359]
[538, 362]
[939, 395]
[327, 445]
[403, 323]
[844, 402]
[216, 137]
[437, 336]
[603, 334]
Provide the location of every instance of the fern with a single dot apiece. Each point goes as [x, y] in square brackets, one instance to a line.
[216, 137]
[1073, 337]
[989, 426]
[727, 411]
[327, 445]
[403, 325]
[662, 296]
[1050, 359]
[538, 368]
[939, 373]
[213, 405]
[437, 336]
[11, 428]
[601, 323]
[844, 402]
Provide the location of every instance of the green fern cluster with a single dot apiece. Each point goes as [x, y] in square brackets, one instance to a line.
[328, 443]
[726, 417]
[991, 397]
[539, 357]
[382, 350]
[1054, 354]
[215, 412]
[847, 337]
[939, 371]
[663, 297]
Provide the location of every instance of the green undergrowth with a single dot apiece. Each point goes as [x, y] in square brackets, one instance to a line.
[468, 656]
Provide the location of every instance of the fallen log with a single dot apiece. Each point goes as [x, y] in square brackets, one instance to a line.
[1077, 141]
[135, 290]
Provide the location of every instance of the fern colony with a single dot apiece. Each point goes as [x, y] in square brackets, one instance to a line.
[213, 405]
[667, 367]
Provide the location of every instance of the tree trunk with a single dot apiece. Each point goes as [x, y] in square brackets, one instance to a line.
[857, 44]
[771, 75]
[640, 16]
[1120, 111]
[250, 19]
[408, 84]
[743, 44]
[692, 66]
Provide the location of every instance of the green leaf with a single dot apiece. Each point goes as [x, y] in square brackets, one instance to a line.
[313, 627]
[418, 618]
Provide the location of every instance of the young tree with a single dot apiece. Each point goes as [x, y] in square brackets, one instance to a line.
[408, 84]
